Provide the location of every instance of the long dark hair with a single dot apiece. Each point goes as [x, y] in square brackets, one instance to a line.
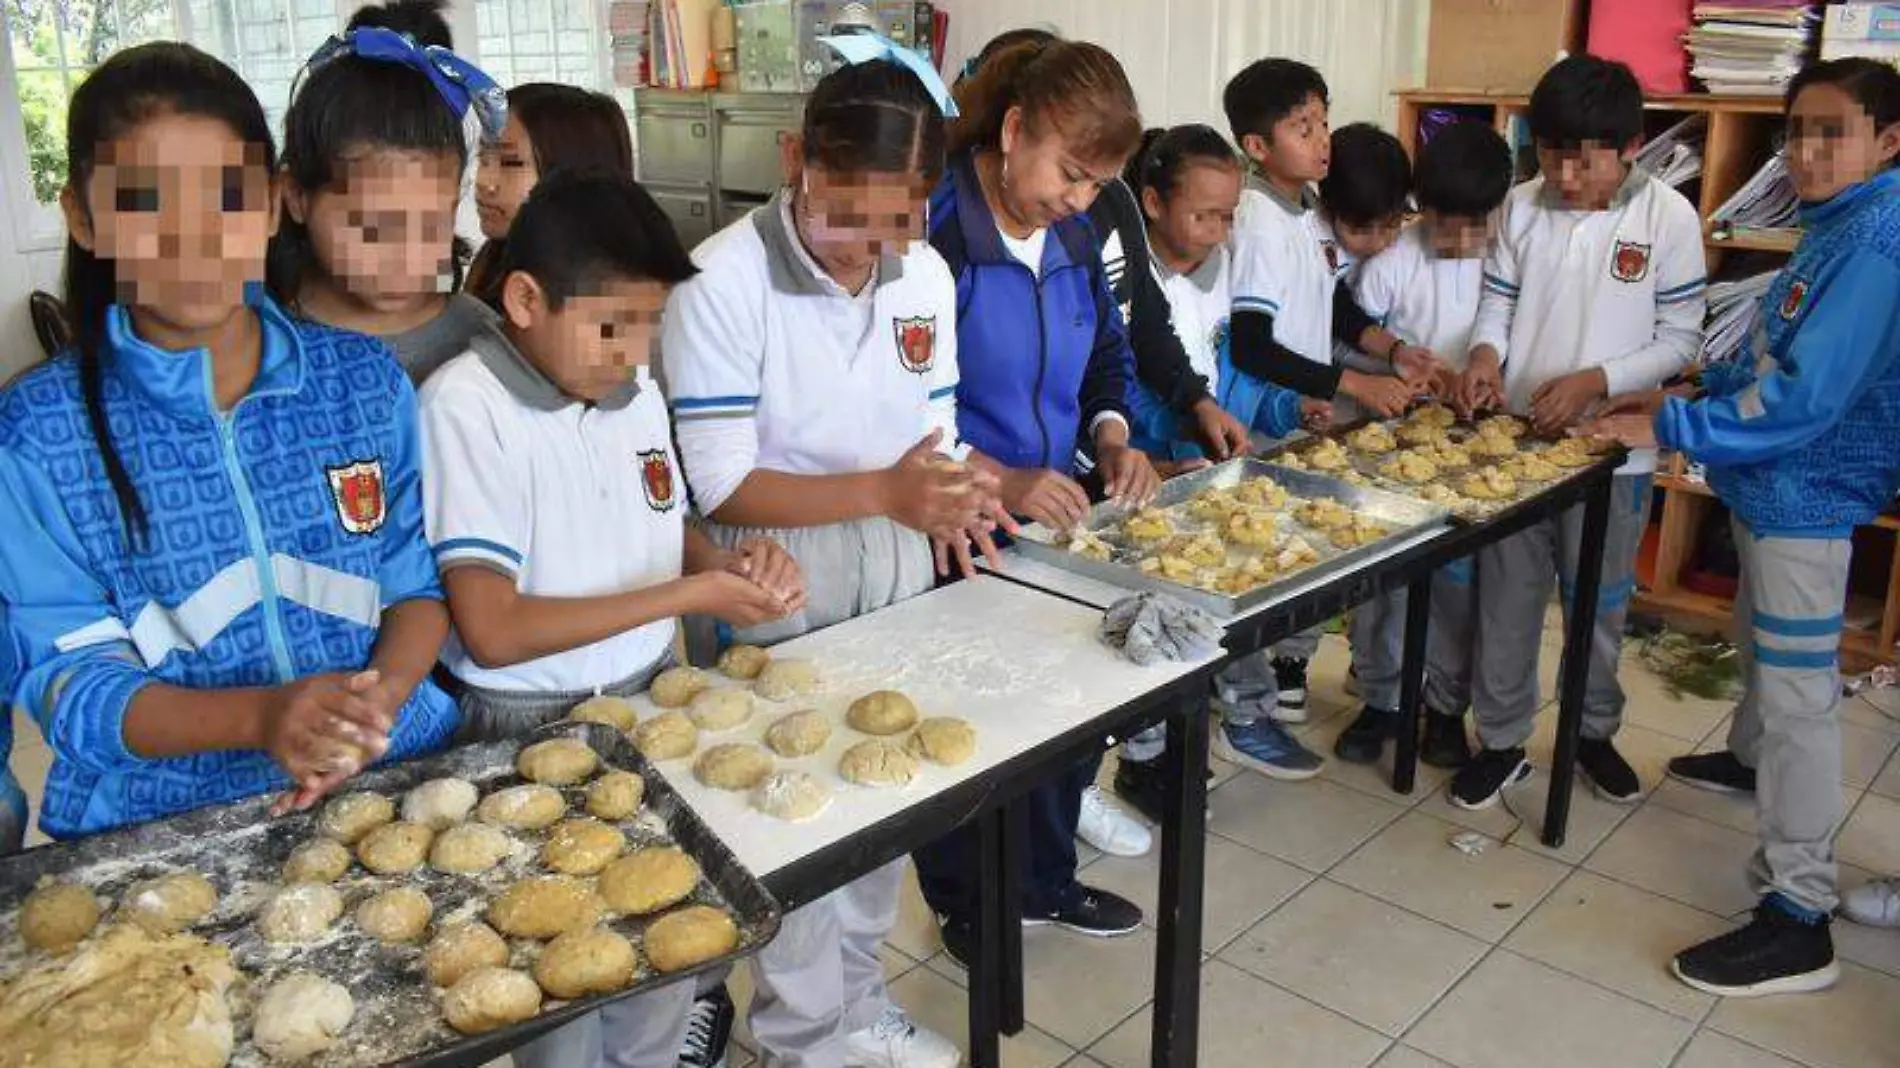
[1073, 88]
[133, 86]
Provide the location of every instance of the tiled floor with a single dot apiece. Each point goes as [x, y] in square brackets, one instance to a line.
[1342, 929]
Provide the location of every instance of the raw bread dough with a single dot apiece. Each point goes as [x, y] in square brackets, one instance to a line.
[439, 803]
[320, 860]
[606, 710]
[1147, 526]
[667, 736]
[682, 939]
[394, 848]
[798, 734]
[783, 680]
[1372, 438]
[169, 903]
[1248, 526]
[398, 915]
[733, 766]
[350, 817]
[468, 848]
[530, 806]
[877, 763]
[649, 880]
[744, 662]
[580, 964]
[581, 846]
[545, 906]
[56, 916]
[674, 687]
[882, 712]
[487, 998]
[615, 795]
[125, 998]
[1090, 546]
[944, 740]
[300, 912]
[557, 762]
[721, 710]
[791, 795]
[461, 948]
[300, 1016]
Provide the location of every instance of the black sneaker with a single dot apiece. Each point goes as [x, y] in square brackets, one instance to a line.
[1364, 740]
[1444, 745]
[1480, 782]
[1722, 772]
[1775, 954]
[1138, 782]
[1290, 676]
[957, 938]
[708, 1030]
[1094, 912]
[1615, 781]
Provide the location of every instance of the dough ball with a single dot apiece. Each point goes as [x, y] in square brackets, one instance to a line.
[733, 766]
[57, 915]
[399, 915]
[579, 964]
[944, 740]
[528, 807]
[649, 880]
[877, 763]
[301, 1016]
[170, 903]
[882, 712]
[459, 949]
[721, 710]
[744, 662]
[783, 680]
[394, 848]
[439, 803]
[615, 795]
[682, 939]
[469, 848]
[799, 734]
[606, 710]
[320, 860]
[791, 795]
[557, 762]
[667, 736]
[674, 687]
[545, 906]
[350, 817]
[300, 912]
[488, 998]
[582, 846]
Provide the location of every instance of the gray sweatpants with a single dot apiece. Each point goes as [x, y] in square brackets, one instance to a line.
[1378, 643]
[1247, 688]
[1518, 573]
[1787, 725]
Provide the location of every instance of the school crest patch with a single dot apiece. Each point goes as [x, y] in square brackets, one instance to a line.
[916, 342]
[1796, 296]
[1629, 262]
[1332, 255]
[656, 477]
[360, 500]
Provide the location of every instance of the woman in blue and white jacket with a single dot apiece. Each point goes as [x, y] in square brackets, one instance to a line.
[215, 573]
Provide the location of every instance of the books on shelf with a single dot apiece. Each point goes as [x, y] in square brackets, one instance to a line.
[1766, 201]
[1675, 155]
[1751, 47]
[1734, 307]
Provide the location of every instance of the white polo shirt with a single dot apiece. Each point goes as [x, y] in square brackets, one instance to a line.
[568, 499]
[1426, 299]
[1280, 268]
[1200, 303]
[772, 365]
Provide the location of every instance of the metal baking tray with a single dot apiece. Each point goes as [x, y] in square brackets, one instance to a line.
[1403, 516]
[398, 1019]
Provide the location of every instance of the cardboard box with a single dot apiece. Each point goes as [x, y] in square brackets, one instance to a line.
[1499, 45]
[1871, 30]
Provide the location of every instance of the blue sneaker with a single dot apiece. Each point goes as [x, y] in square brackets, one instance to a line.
[1267, 748]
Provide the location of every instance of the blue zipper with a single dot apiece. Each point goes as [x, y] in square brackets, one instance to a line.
[253, 531]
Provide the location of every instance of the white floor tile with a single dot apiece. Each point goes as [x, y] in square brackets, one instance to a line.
[1312, 824]
[1241, 886]
[1854, 1025]
[1413, 864]
[1680, 857]
[1247, 1023]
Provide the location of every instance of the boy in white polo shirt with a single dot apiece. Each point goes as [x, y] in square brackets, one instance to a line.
[1594, 287]
[557, 515]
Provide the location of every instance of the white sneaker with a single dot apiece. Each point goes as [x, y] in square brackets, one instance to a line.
[1876, 904]
[894, 1042]
[1105, 826]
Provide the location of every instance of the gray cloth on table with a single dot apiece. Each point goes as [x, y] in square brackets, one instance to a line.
[1149, 627]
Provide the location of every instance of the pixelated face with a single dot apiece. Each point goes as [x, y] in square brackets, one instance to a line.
[1585, 177]
[849, 220]
[184, 209]
[1301, 146]
[504, 173]
[1046, 181]
[1459, 237]
[1833, 142]
[596, 340]
[1198, 214]
[1362, 241]
[385, 227]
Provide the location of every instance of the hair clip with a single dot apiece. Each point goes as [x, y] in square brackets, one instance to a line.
[861, 47]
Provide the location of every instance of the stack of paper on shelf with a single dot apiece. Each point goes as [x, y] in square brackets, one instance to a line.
[1733, 308]
[1675, 155]
[1751, 46]
[1765, 201]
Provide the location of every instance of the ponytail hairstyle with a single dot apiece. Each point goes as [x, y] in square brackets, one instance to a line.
[133, 86]
[419, 20]
[1165, 154]
[1036, 35]
[876, 115]
[1874, 85]
[1071, 88]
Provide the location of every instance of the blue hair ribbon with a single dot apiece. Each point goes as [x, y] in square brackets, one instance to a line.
[462, 85]
[855, 48]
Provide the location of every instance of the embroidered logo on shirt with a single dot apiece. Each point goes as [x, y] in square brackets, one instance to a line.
[1630, 262]
[1332, 255]
[358, 489]
[916, 342]
[1791, 303]
[656, 477]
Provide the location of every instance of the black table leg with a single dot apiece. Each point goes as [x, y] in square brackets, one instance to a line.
[1176, 1042]
[1574, 677]
[986, 944]
[1418, 614]
[1009, 899]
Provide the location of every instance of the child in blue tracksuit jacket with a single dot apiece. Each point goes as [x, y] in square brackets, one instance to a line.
[215, 575]
[1802, 444]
